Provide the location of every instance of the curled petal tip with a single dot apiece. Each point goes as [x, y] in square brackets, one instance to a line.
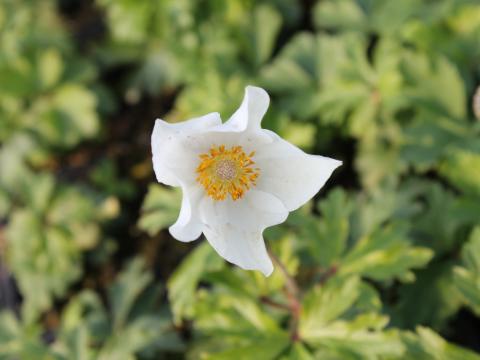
[268, 272]
[258, 92]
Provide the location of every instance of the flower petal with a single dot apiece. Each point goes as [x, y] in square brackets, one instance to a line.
[290, 174]
[234, 228]
[250, 113]
[188, 226]
[172, 159]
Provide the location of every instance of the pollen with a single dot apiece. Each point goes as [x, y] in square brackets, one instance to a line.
[223, 172]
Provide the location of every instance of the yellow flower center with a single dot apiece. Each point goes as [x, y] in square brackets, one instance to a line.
[227, 171]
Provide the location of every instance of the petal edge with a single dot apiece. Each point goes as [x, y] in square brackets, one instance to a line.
[290, 174]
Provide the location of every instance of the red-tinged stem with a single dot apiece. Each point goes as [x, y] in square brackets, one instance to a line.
[293, 295]
[266, 300]
[332, 270]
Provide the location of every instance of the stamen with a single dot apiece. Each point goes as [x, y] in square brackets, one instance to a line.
[225, 172]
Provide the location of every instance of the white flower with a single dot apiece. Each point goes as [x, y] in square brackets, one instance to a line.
[237, 179]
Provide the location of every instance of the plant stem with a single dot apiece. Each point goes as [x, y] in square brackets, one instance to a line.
[293, 295]
[266, 300]
[331, 271]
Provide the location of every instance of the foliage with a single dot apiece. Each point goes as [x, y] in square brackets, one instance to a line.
[132, 324]
[468, 277]
[383, 264]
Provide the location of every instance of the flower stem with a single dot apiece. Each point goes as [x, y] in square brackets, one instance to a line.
[331, 271]
[293, 295]
[266, 300]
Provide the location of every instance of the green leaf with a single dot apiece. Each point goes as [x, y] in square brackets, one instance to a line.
[135, 324]
[233, 322]
[439, 219]
[307, 65]
[324, 239]
[440, 299]
[471, 252]
[267, 22]
[43, 269]
[263, 348]
[426, 140]
[378, 162]
[183, 283]
[298, 351]
[336, 321]
[342, 344]
[322, 305]
[469, 286]
[21, 341]
[425, 74]
[50, 68]
[17, 80]
[141, 334]
[385, 254]
[75, 345]
[160, 208]
[387, 18]
[70, 116]
[460, 167]
[123, 293]
[360, 92]
[159, 70]
[40, 196]
[333, 229]
[344, 14]
[128, 20]
[430, 346]
[467, 279]
[47, 236]
[86, 309]
[295, 64]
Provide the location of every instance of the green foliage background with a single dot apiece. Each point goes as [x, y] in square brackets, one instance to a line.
[383, 264]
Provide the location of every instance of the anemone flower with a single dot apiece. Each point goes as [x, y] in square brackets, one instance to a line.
[237, 179]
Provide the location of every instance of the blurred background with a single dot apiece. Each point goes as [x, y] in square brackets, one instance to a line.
[383, 264]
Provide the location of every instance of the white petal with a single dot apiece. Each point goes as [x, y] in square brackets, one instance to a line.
[290, 174]
[172, 159]
[250, 113]
[194, 125]
[188, 226]
[234, 228]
